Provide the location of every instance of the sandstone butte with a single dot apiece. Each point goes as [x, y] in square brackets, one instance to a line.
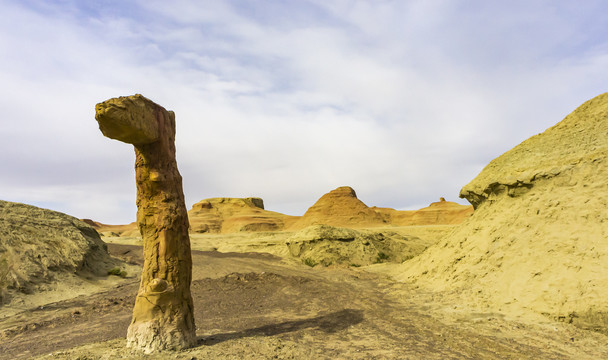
[538, 239]
[339, 207]
[163, 315]
[230, 215]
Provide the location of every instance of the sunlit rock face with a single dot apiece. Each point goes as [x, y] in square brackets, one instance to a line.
[163, 312]
[233, 215]
[340, 207]
[538, 238]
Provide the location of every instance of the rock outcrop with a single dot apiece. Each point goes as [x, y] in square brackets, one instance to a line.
[340, 207]
[163, 312]
[38, 245]
[230, 215]
[327, 245]
[539, 236]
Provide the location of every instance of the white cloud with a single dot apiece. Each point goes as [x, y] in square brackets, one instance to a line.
[404, 101]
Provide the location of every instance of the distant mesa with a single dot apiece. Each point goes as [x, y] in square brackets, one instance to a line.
[230, 215]
[339, 208]
[437, 213]
[538, 239]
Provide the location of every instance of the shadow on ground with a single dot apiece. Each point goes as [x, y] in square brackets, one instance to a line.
[329, 323]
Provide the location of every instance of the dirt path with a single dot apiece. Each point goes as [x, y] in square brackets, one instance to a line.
[258, 307]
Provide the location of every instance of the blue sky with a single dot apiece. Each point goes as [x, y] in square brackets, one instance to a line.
[405, 101]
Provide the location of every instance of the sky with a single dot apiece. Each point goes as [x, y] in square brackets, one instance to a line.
[405, 101]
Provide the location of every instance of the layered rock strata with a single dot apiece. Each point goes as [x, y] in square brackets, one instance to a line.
[342, 208]
[231, 215]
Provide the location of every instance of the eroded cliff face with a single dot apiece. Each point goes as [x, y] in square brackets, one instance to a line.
[538, 239]
[163, 311]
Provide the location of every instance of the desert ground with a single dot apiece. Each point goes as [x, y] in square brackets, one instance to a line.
[251, 303]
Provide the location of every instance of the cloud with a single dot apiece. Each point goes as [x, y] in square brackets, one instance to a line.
[404, 101]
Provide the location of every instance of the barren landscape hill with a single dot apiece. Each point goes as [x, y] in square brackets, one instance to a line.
[538, 239]
[39, 247]
[340, 207]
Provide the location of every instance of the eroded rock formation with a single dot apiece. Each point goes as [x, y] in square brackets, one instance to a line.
[163, 312]
[340, 207]
[230, 215]
[538, 239]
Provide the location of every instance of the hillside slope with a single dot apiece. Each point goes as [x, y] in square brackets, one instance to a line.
[538, 239]
[38, 245]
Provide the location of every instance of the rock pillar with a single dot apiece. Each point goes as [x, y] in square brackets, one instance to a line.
[163, 314]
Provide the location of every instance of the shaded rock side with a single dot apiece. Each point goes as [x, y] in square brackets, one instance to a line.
[327, 245]
[229, 215]
[38, 245]
[340, 207]
[437, 213]
[538, 239]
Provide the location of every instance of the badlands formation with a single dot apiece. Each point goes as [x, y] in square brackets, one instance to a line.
[230, 215]
[520, 274]
[339, 207]
[538, 239]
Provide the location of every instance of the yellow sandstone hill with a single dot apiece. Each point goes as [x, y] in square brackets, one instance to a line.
[340, 207]
[230, 215]
[538, 239]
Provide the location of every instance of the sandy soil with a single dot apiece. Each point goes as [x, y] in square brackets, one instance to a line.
[260, 306]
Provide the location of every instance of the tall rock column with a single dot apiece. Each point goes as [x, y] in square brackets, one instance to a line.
[163, 313]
